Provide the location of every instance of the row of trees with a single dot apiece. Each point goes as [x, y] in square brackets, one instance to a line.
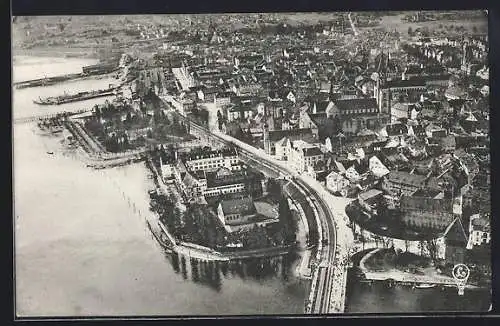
[198, 225]
[244, 136]
[169, 214]
[201, 115]
[287, 222]
[116, 143]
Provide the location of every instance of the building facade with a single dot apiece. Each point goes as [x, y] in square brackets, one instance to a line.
[403, 183]
[212, 160]
[427, 212]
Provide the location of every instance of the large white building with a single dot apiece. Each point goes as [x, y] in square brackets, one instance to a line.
[213, 160]
[302, 155]
[377, 168]
[336, 182]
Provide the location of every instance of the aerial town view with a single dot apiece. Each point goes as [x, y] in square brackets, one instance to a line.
[251, 164]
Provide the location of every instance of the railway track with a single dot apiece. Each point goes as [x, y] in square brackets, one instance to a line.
[325, 279]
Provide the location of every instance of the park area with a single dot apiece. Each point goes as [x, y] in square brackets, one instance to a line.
[387, 259]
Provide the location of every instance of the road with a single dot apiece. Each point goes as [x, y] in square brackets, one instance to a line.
[355, 31]
[329, 290]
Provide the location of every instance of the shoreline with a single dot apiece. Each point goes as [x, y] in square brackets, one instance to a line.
[188, 248]
[397, 276]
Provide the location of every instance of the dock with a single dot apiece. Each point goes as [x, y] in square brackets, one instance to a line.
[82, 96]
[88, 71]
[405, 278]
[47, 80]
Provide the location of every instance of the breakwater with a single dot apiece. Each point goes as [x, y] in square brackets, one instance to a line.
[47, 81]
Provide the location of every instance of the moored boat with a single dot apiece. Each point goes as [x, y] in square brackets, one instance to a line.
[81, 96]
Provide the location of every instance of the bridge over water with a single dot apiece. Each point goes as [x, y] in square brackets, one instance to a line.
[47, 116]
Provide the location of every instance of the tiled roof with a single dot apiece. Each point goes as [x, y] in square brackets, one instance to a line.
[396, 129]
[321, 106]
[481, 223]
[398, 83]
[455, 233]
[189, 180]
[448, 141]
[406, 178]
[294, 134]
[312, 151]
[358, 103]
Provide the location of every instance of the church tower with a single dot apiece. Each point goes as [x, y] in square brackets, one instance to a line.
[465, 63]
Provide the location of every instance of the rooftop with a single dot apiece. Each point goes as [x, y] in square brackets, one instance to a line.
[293, 134]
[402, 83]
[406, 178]
[357, 103]
[210, 154]
[369, 194]
[396, 129]
[243, 206]
[427, 204]
[312, 151]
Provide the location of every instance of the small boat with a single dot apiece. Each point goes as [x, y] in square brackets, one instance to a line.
[425, 286]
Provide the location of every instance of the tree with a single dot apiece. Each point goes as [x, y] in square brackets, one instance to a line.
[286, 220]
[273, 188]
[125, 142]
[220, 119]
[156, 116]
[249, 136]
[432, 248]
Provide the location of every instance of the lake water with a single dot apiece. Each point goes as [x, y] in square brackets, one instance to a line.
[81, 249]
